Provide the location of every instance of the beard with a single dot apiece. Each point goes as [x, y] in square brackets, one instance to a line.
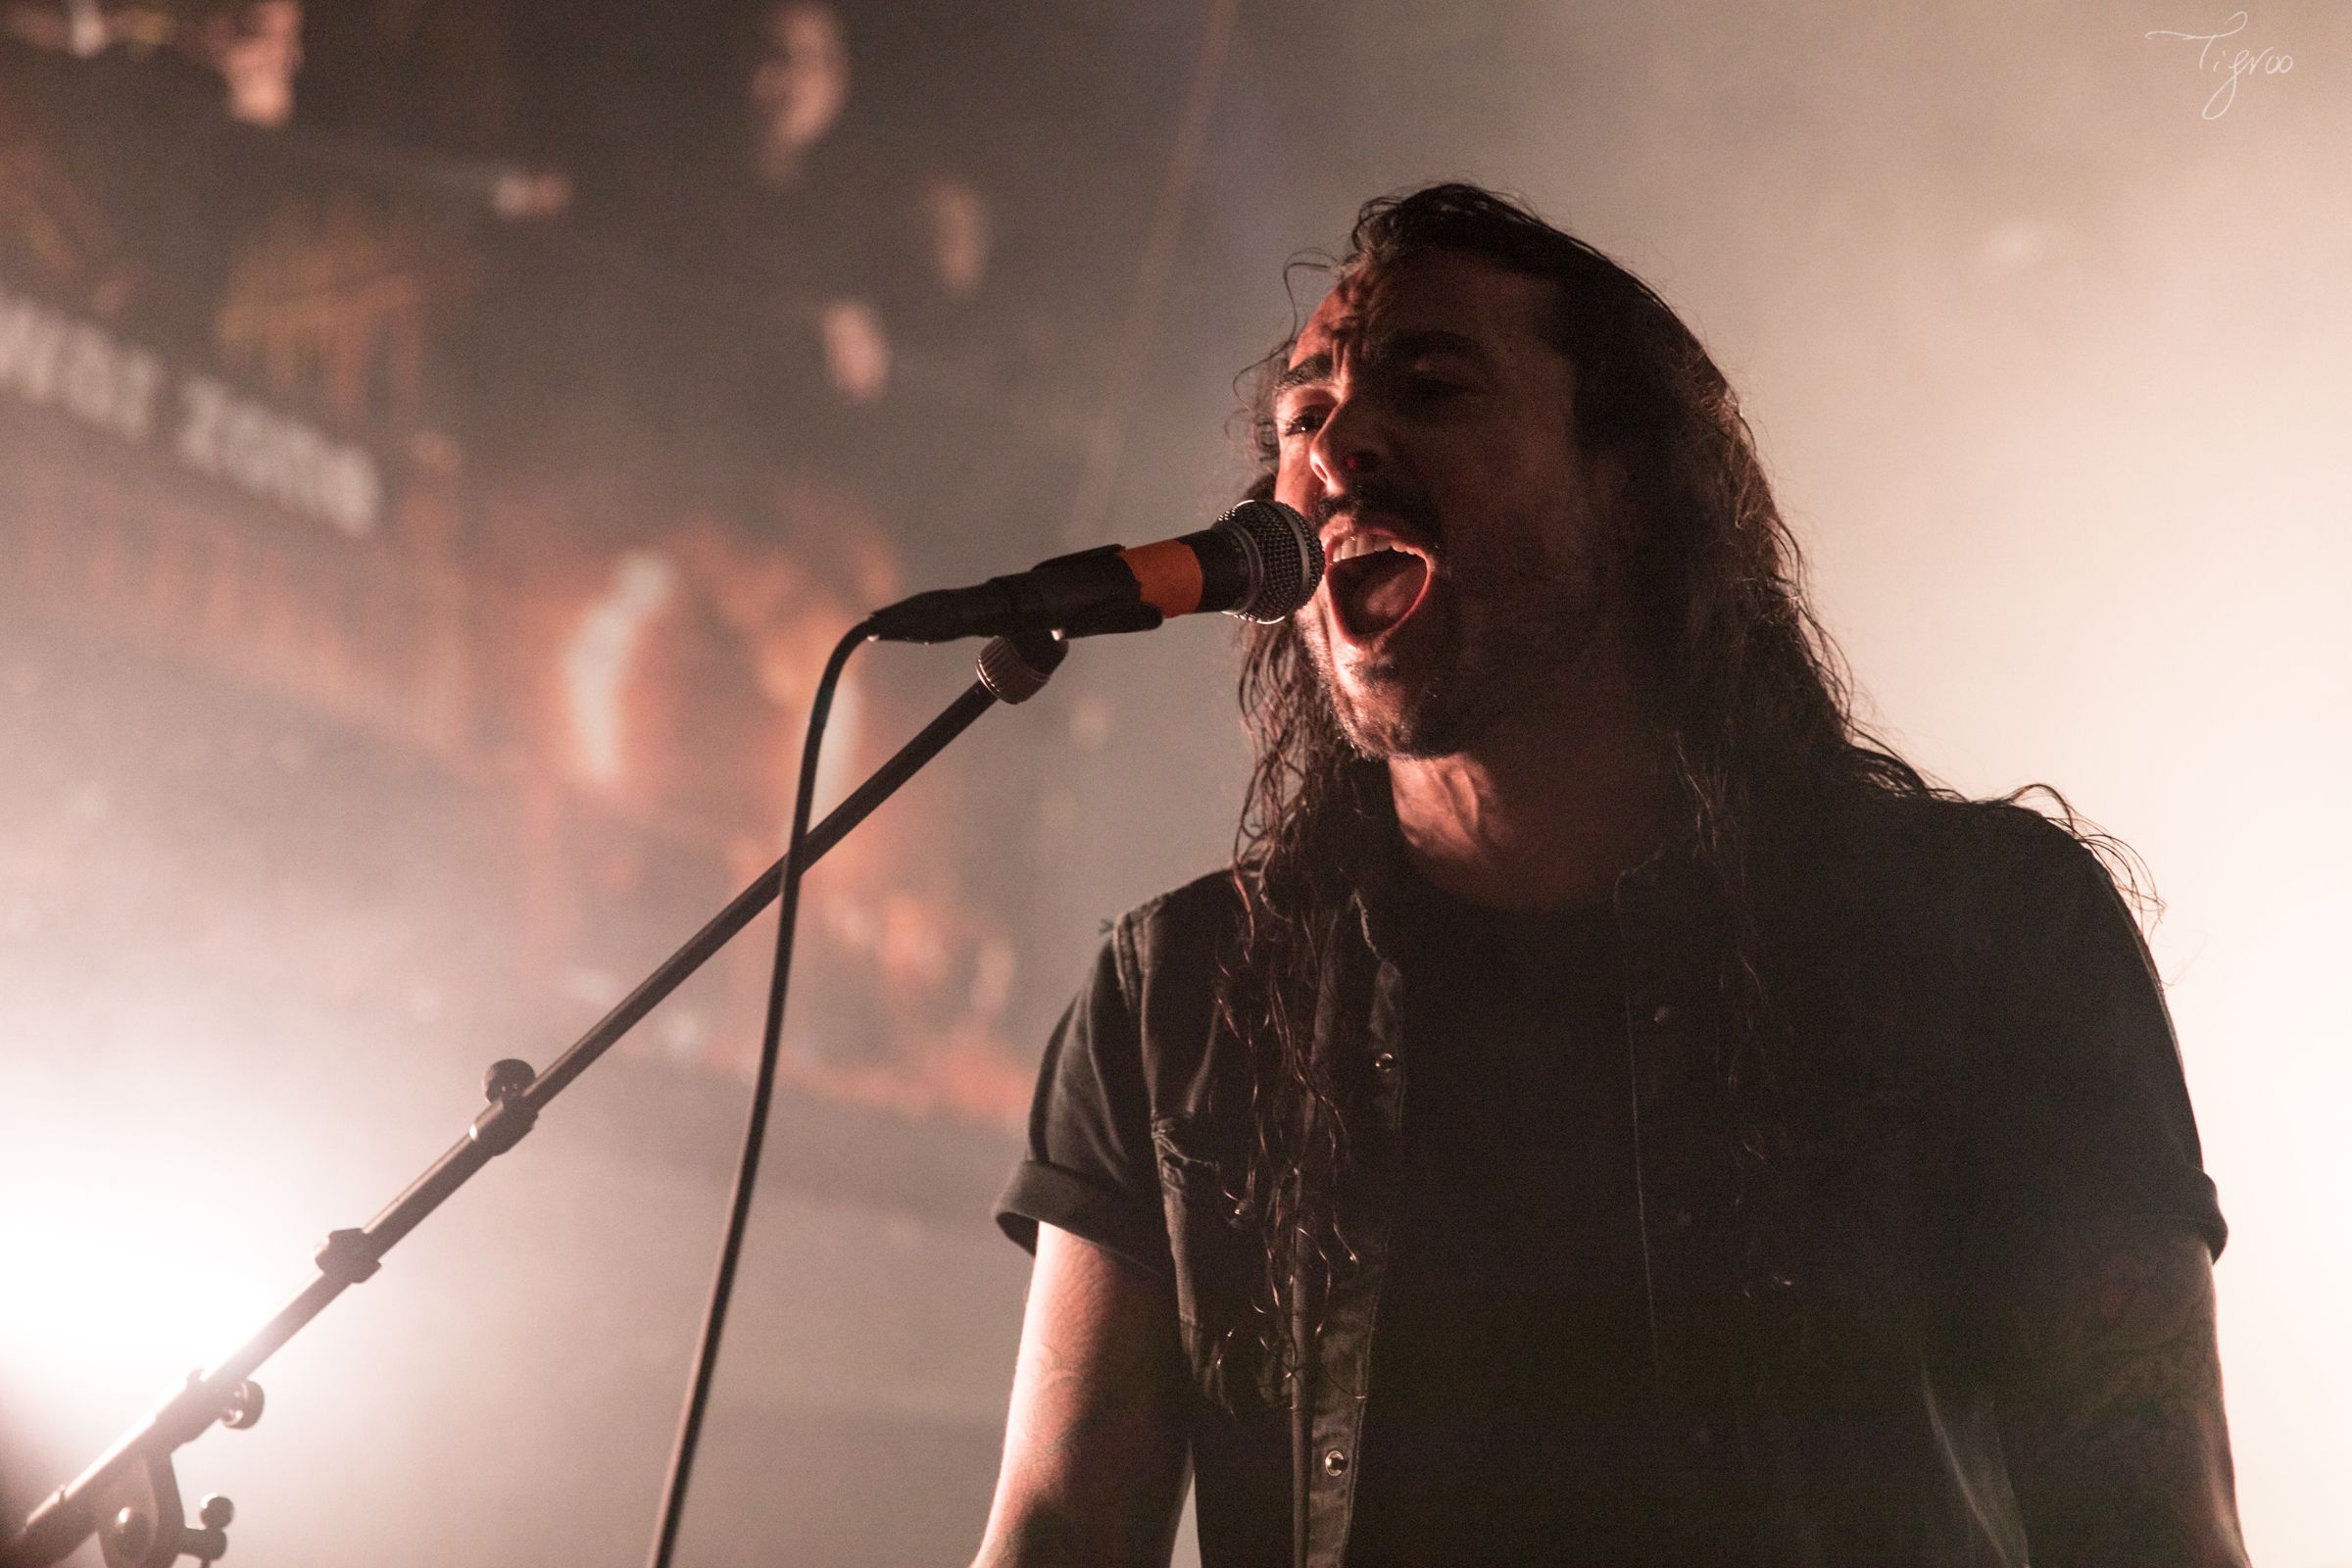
[1513, 619]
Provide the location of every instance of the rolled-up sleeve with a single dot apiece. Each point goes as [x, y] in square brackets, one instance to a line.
[1089, 1167]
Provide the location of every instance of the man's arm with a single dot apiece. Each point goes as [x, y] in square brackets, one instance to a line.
[1095, 1454]
[2110, 1409]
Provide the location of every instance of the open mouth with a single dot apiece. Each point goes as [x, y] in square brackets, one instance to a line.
[1375, 588]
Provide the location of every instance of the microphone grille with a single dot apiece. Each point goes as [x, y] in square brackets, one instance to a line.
[1289, 557]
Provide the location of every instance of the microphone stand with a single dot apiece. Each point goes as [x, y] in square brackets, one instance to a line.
[129, 1497]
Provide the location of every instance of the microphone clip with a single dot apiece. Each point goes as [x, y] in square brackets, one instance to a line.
[1083, 594]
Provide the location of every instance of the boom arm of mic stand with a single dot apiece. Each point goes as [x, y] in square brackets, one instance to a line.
[129, 1490]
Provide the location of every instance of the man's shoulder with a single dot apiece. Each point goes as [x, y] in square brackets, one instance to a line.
[1919, 846]
[1949, 893]
[1181, 932]
[1209, 900]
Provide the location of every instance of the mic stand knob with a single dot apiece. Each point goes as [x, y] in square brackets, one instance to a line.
[143, 1531]
[208, 1537]
[128, 1536]
[506, 1085]
[505, 1078]
[131, 1537]
[243, 1407]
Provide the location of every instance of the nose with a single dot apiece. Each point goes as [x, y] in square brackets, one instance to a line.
[1349, 445]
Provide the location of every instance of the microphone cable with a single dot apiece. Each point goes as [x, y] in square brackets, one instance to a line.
[755, 1132]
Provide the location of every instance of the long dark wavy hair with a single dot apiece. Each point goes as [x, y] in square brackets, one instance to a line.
[1741, 681]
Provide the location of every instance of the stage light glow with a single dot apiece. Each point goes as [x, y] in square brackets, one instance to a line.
[127, 1274]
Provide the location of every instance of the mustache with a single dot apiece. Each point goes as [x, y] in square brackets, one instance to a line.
[1375, 493]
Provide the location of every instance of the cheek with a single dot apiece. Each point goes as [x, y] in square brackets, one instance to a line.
[1294, 482]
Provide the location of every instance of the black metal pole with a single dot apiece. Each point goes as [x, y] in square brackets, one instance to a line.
[71, 1514]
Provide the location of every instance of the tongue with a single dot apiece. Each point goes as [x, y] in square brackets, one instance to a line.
[1375, 591]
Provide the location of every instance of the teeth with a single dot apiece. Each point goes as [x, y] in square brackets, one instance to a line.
[1355, 545]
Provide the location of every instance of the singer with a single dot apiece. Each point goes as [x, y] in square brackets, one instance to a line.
[1612, 1110]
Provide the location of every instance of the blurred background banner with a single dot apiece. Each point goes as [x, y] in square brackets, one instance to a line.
[438, 443]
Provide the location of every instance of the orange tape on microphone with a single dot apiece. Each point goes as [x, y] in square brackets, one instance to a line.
[1169, 575]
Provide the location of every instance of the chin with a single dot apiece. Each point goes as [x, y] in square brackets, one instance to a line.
[1397, 720]
[1407, 701]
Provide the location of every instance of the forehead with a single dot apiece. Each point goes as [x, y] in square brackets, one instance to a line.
[1439, 291]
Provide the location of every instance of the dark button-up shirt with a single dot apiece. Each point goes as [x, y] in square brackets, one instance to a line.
[1974, 1054]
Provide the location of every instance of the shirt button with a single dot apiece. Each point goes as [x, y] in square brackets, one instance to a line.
[1385, 1063]
[1335, 1463]
[1664, 1014]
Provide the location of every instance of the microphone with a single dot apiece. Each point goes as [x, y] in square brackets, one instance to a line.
[1261, 561]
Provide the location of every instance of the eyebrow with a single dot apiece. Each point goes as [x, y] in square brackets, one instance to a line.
[1380, 352]
[1314, 367]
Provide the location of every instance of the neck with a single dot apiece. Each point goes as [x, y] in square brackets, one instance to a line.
[1536, 815]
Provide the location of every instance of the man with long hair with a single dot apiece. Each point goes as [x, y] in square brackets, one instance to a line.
[1611, 1110]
